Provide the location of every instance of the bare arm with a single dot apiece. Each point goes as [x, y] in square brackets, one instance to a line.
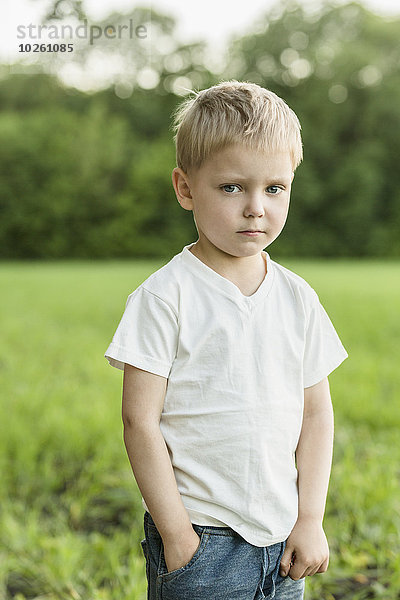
[307, 549]
[142, 404]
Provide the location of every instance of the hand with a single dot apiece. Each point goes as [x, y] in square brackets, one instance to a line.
[177, 554]
[306, 551]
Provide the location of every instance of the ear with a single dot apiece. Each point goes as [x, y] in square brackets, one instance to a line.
[180, 181]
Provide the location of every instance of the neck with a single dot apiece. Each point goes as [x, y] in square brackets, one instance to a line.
[247, 272]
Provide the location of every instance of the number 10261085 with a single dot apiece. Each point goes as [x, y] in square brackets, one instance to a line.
[45, 48]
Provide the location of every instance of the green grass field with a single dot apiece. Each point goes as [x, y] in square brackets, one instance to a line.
[71, 518]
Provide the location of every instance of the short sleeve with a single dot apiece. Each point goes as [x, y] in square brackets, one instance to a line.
[146, 336]
[324, 351]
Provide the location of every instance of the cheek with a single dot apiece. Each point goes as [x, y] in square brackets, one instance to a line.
[278, 213]
[214, 213]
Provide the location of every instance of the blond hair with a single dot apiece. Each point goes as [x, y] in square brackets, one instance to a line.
[234, 112]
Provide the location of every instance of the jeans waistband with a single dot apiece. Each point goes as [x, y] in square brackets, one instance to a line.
[209, 529]
[215, 530]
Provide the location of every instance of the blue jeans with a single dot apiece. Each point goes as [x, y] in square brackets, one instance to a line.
[224, 567]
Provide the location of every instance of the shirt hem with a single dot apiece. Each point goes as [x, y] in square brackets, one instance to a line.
[320, 375]
[259, 538]
[259, 541]
[118, 357]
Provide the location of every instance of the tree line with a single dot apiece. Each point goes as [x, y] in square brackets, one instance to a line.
[87, 175]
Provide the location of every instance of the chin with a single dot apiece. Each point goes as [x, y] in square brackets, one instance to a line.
[249, 253]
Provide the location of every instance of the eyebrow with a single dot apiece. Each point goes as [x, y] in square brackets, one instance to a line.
[233, 177]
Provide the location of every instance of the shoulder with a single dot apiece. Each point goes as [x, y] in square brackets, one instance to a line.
[165, 283]
[293, 284]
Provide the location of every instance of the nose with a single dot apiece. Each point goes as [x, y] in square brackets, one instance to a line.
[254, 206]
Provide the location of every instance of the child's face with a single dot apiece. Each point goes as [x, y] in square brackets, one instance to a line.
[239, 198]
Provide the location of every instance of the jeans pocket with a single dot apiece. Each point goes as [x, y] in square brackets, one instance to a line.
[143, 544]
[145, 549]
[166, 575]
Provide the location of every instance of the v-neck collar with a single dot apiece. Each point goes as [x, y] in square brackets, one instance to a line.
[226, 286]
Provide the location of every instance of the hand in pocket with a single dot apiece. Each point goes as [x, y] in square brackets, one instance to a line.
[178, 553]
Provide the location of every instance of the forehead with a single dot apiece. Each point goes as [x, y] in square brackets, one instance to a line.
[245, 161]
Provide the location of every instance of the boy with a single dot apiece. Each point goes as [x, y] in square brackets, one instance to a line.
[226, 407]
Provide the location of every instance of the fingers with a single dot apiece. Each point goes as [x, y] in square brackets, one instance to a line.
[324, 566]
[287, 561]
[300, 570]
[306, 551]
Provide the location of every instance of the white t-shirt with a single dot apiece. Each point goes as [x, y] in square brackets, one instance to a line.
[237, 367]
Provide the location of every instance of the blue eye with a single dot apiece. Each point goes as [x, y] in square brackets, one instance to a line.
[274, 190]
[229, 188]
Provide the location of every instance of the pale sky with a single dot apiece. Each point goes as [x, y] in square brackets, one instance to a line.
[209, 20]
[205, 19]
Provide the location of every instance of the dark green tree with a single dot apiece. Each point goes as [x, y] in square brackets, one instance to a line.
[88, 174]
[339, 70]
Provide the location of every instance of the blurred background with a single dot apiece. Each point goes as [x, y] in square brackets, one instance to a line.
[85, 140]
[87, 212]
